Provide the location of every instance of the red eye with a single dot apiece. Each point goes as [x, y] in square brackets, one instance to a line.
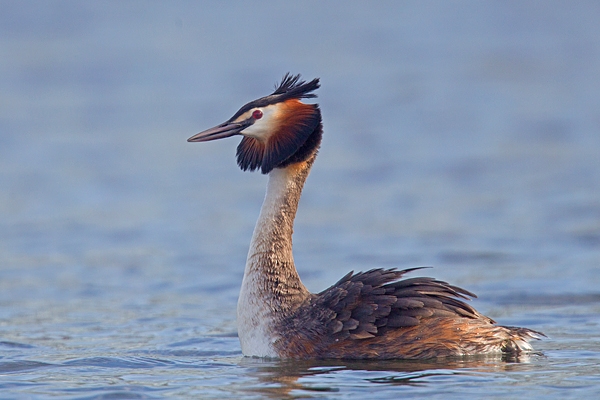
[257, 114]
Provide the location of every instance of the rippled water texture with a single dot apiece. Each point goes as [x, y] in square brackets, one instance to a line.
[459, 135]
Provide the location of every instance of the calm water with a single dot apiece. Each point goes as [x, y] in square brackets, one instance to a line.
[461, 135]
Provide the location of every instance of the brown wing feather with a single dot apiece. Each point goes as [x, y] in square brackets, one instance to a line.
[370, 303]
[375, 314]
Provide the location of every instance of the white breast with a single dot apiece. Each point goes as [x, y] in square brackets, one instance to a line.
[255, 321]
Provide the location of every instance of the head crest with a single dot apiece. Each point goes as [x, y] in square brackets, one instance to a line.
[291, 87]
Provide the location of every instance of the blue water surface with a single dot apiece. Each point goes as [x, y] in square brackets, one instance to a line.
[460, 135]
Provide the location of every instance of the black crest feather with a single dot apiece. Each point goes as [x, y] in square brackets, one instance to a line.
[291, 87]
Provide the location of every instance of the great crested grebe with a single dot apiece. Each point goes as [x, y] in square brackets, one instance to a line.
[368, 315]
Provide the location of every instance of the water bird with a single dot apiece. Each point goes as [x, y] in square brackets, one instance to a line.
[367, 315]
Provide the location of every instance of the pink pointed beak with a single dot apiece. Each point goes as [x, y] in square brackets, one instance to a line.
[224, 130]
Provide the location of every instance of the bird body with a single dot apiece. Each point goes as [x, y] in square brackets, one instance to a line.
[368, 315]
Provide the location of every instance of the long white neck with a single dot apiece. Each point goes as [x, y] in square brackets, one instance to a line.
[271, 288]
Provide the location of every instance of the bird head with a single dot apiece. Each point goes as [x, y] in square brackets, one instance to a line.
[278, 129]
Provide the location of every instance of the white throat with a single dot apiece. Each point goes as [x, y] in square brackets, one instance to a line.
[271, 286]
